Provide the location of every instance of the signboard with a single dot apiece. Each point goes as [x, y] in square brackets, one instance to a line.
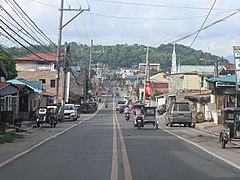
[236, 52]
[148, 89]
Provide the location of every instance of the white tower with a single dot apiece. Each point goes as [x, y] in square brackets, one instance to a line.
[174, 61]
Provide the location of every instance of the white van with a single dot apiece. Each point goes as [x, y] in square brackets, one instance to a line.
[119, 104]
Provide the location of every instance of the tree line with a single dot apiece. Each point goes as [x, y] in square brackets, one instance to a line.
[116, 56]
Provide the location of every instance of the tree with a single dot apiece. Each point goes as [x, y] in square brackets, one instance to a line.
[9, 64]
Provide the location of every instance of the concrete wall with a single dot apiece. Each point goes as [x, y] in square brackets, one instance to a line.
[37, 75]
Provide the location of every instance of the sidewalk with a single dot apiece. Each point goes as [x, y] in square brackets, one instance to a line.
[209, 127]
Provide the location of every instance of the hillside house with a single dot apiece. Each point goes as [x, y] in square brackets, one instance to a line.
[40, 67]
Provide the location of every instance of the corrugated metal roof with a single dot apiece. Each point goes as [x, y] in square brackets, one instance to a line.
[190, 68]
[229, 79]
[15, 81]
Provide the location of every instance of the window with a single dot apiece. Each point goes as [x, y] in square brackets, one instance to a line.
[52, 83]
[183, 107]
[43, 80]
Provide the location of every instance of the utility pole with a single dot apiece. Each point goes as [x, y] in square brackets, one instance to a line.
[90, 60]
[66, 69]
[59, 52]
[60, 28]
[146, 76]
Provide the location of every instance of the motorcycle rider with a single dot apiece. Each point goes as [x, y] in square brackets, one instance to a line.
[138, 113]
[126, 111]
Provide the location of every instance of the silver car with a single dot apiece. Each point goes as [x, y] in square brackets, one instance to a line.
[179, 113]
[70, 112]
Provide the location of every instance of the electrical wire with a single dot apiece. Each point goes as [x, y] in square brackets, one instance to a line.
[203, 23]
[156, 5]
[19, 42]
[37, 28]
[206, 27]
[24, 21]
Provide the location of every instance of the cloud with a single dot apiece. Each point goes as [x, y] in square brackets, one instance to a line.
[114, 23]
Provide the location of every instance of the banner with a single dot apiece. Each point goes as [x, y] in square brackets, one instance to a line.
[236, 52]
[148, 89]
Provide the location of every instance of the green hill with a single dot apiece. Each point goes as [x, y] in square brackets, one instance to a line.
[123, 55]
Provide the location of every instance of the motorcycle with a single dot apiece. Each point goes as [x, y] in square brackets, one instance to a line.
[139, 122]
[127, 116]
[106, 105]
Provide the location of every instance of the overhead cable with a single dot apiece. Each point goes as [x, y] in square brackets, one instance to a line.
[203, 23]
[206, 27]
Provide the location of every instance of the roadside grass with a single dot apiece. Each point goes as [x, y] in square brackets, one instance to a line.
[9, 137]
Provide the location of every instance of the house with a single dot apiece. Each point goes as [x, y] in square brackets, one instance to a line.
[227, 69]
[128, 72]
[185, 83]
[159, 82]
[152, 66]
[223, 94]
[36, 62]
[40, 67]
[31, 96]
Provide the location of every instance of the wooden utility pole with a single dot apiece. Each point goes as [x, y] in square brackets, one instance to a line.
[90, 60]
[59, 52]
[66, 70]
[58, 68]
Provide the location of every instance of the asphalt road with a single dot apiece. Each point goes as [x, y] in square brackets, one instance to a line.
[107, 147]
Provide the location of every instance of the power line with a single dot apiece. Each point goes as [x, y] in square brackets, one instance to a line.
[206, 27]
[203, 23]
[38, 29]
[19, 42]
[154, 18]
[45, 4]
[156, 5]
[24, 20]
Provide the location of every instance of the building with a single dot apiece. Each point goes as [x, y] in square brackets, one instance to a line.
[125, 72]
[39, 66]
[152, 66]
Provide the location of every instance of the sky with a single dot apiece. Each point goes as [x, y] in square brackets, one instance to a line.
[207, 25]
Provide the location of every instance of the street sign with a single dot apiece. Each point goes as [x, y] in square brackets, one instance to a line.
[236, 52]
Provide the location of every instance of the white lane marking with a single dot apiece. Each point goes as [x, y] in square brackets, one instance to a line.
[126, 164]
[114, 171]
[204, 149]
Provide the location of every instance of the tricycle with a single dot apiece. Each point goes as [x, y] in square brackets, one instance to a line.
[47, 114]
[149, 117]
[231, 130]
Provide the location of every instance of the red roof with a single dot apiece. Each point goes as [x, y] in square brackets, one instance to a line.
[47, 94]
[229, 66]
[3, 85]
[38, 57]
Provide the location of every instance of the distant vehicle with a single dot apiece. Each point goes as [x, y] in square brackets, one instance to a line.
[70, 112]
[178, 113]
[119, 104]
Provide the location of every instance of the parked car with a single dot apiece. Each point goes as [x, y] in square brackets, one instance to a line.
[70, 112]
[179, 113]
